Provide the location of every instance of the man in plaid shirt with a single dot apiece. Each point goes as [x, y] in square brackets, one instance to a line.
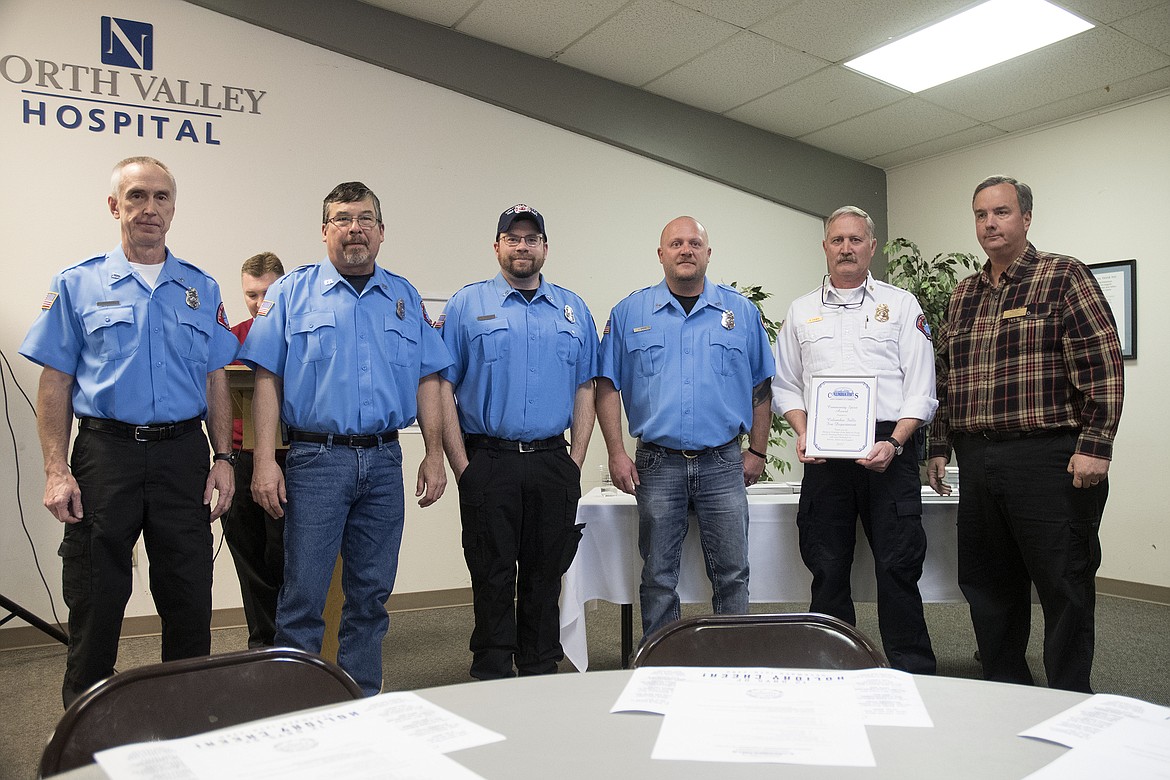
[1030, 390]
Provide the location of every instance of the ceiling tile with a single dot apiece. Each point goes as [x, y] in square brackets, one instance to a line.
[741, 68]
[741, 13]
[935, 146]
[824, 98]
[1088, 101]
[444, 12]
[836, 30]
[644, 40]
[1090, 60]
[540, 29]
[905, 123]
[1108, 11]
[1151, 27]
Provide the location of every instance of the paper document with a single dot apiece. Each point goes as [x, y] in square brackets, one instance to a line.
[886, 697]
[802, 723]
[398, 736]
[1078, 724]
[1131, 748]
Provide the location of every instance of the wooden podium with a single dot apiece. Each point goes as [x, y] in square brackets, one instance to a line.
[242, 383]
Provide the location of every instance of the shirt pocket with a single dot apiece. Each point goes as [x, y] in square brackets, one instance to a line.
[313, 335]
[192, 335]
[402, 346]
[728, 350]
[647, 350]
[569, 342]
[879, 346]
[1035, 333]
[816, 345]
[490, 339]
[110, 331]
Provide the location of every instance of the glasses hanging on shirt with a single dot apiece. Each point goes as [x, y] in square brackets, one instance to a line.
[851, 305]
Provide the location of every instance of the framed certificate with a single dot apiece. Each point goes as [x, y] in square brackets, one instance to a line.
[841, 416]
[1118, 283]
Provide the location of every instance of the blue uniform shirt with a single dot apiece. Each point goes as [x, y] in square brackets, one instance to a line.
[350, 364]
[686, 380]
[137, 355]
[518, 364]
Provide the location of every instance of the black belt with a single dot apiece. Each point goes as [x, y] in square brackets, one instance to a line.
[689, 454]
[492, 443]
[140, 432]
[359, 440]
[1039, 433]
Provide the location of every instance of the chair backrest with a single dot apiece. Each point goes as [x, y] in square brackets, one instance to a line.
[181, 698]
[799, 640]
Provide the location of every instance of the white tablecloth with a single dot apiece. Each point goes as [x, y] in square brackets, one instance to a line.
[608, 566]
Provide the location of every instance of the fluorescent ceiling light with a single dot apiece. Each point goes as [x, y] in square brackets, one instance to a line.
[978, 38]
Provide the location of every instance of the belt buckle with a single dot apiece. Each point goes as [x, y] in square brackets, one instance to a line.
[138, 431]
[688, 454]
[525, 446]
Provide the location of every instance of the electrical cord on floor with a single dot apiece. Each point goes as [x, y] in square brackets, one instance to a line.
[16, 461]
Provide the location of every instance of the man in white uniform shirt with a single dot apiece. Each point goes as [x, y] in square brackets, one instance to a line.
[855, 325]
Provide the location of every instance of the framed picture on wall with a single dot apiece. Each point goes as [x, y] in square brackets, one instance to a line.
[1118, 282]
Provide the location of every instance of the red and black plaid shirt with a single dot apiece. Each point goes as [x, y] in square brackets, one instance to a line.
[1038, 352]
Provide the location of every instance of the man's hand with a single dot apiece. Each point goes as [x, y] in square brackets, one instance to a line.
[1087, 470]
[221, 478]
[268, 487]
[800, 454]
[623, 473]
[432, 478]
[753, 467]
[879, 458]
[936, 472]
[63, 497]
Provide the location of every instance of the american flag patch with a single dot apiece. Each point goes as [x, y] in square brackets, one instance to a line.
[50, 299]
[265, 307]
[605, 330]
[439, 322]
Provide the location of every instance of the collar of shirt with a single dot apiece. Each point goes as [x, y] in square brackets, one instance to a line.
[712, 295]
[849, 295]
[503, 289]
[1015, 271]
[329, 278]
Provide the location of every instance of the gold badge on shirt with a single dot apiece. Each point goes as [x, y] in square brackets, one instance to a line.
[192, 297]
[882, 313]
[728, 320]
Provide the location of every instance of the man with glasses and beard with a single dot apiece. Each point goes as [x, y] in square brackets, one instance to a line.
[855, 325]
[525, 354]
[345, 355]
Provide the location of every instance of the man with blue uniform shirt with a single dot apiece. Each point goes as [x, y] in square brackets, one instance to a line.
[691, 361]
[345, 354]
[525, 354]
[133, 342]
[855, 325]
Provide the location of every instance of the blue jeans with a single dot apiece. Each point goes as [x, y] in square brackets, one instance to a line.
[671, 483]
[349, 500]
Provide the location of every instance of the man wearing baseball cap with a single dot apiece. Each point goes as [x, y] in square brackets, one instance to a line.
[525, 353]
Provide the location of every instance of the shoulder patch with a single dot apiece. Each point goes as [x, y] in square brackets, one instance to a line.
[265, 307]
[923, 326]
[221, 316]
[50, 299]
[605, 330]
[426, 317]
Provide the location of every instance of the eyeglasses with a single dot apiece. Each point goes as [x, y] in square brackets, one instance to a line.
[529, 240]
[851, 305]
[365, 222]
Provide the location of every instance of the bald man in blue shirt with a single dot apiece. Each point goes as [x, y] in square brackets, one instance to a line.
[133, 342]
[345, 355]
[692, 363]
[525, 354]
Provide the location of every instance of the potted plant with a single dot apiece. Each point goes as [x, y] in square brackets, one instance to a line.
[930, 281]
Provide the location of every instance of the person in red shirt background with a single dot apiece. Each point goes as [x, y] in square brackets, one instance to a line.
[255, 538]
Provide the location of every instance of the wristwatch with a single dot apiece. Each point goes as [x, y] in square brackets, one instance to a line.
[230, 457]
[897, 445]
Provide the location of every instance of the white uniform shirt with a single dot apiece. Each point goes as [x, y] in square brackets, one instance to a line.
[886, 336]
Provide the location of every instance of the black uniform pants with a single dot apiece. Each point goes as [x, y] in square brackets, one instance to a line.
[518, 511]
[832, 496]
[130, 488]
[256, 541]
[1021, 522]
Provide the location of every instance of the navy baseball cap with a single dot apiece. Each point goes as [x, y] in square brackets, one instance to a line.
[520, 211]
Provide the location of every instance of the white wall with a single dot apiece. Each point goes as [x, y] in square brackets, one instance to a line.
[1094, 180]
[443, 165]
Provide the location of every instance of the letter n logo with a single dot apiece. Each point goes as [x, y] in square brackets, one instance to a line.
[127, 44]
